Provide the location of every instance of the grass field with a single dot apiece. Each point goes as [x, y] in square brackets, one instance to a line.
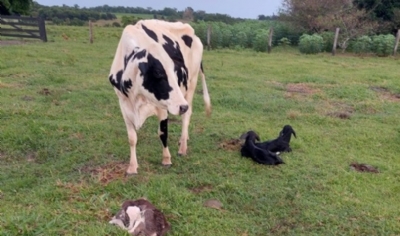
[64, 148]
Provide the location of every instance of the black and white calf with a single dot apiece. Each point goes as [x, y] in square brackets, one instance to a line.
[155, 71]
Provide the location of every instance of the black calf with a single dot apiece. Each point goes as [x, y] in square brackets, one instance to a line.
[259, 155]
[281, 143]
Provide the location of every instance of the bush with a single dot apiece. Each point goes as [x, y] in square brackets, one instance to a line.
[116, 24]
[382, 45]
[260, 42]
[284, 42]
[311, 44]
[362, 45]
[329, 38]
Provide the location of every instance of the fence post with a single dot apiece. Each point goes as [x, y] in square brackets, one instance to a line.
[42, 29]
[90, 32]
[209, 37]
[335, 41]
[396, 44]
[271, 33]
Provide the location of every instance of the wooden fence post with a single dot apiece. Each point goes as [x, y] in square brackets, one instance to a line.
[335, 41]
[396, 44]
[90, 32]
[42, 29]
[209, 37]
[271, 33]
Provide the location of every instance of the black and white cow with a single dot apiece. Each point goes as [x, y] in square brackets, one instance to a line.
[155, 71]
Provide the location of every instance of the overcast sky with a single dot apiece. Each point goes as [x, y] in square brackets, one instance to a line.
[243, 9]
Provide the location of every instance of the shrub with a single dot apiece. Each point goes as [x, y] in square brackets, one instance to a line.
[362, 45]
[116, 24]
[284, 42]
[382, 45]
[261, 40]
[329, 38]
[311, 44]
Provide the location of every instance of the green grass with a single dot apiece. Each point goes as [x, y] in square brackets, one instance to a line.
[61, 129]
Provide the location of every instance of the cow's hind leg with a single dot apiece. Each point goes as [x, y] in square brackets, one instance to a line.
[163, 134]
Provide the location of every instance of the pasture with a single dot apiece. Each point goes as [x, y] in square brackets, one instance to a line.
[64, 147]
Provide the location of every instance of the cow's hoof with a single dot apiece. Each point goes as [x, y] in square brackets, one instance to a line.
[167, 166]
[130, 174]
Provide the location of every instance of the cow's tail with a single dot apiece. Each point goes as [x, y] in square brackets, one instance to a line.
[206, 96]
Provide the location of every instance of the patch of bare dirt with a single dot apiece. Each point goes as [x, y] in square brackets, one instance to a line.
[202, 189]
[31, 157]
[27, 98]
[213, 203]
[340, 114]
[10, 42]
[299, 91]
[363, 167]
[300, 88]
[337, 110]
[107, 173]
[386, 94]
[45, 91]
[231, 144]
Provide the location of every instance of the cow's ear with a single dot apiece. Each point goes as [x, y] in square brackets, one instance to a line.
[143, 67]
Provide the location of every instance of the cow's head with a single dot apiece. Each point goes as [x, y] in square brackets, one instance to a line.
[154, 77]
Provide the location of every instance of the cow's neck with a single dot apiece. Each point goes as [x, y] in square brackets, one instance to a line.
[142, 109]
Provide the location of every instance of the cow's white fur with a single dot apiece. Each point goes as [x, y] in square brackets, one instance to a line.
[141, 104]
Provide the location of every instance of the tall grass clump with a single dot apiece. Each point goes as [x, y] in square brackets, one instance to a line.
[311, 44]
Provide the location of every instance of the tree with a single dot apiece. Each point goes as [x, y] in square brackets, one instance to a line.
[316, 16]
[22, 7]
[385, 11]
[188, 14]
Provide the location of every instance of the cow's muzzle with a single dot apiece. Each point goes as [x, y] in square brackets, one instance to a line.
[183, 109]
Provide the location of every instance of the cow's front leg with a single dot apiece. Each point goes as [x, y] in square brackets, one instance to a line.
[163, 134]
[133, 165]
[185, 132]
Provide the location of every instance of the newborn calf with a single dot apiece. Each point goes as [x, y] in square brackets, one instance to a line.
[259, 155]
[281, 143]
[140, 217]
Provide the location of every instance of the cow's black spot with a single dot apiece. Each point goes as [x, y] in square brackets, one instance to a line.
[122, 86]
[134, 55]
[155, 79]
[139, 55]
[127, 58]
[150, 33]
[164, 131]
[174, 52]
[188, 40]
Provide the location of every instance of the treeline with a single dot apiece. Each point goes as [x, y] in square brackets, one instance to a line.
[69, 15]
[75, 15]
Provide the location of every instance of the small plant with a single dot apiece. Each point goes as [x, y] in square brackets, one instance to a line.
[382, 45]
[285, 42]
[311, 44]
[362, 45]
